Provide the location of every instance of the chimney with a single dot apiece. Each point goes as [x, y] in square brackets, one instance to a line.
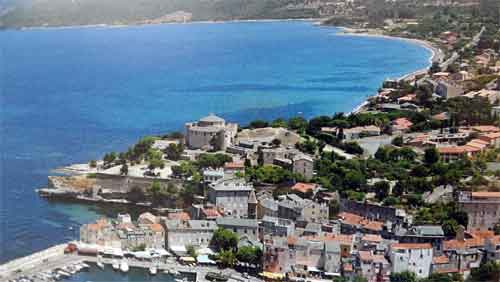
[461, 233]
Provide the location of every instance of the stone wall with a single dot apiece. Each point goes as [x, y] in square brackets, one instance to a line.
[123, 184]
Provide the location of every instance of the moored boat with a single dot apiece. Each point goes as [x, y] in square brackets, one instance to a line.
[116, 265]
[153, 270]
[124, 266]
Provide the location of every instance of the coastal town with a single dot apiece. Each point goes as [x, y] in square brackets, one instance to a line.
[406, 188]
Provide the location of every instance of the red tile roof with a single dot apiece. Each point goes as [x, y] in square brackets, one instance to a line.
[485, 194]
[179, 216]
[356, 220]
[234, 165]
[372, 238]
[211, 212]
[486, 128]
[303, 187]
[402, 123]
[440, 260]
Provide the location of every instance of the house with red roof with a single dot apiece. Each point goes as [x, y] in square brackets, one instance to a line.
[400, 126]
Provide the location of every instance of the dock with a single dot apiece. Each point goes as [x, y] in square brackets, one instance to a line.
[54, 258]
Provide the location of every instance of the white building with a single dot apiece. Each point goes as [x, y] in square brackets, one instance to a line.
[413, 257]
[124, 218]
[210, 132]
[211, 175]
[230, 195]
[197, 233]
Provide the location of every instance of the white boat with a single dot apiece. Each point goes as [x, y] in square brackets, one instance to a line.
[85, 266]
[64, 273]
[116, 265]
[153, 270]
[100, 264]
[124, 266]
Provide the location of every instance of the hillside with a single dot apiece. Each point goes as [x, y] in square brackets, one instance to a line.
[90, 12]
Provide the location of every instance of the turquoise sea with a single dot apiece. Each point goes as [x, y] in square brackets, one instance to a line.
[69, 95]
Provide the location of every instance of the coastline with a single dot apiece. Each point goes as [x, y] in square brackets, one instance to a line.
[104, 25]
[437, 55]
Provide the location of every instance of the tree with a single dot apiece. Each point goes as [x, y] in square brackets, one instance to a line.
[174, 151]
[224, 239]
[431, 156]
[249, 254]
[156, 163]
[308, 146]
[359, 278]
[404, 276]
[227, 258]
[487, 272]
[276, 142]
[297, 123]
[353, 148]
[156, 192]
[213, 160]
[258, 124]
[397, 141]
[382, 153]
[279, 122]
[496, 228]
[382, 189]
[93, 164]
[124, 169]
[109, 158]
[191, 251]
[438, 277]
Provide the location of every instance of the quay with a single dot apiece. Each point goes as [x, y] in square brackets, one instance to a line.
[54, 258]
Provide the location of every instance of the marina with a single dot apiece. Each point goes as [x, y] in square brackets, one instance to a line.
[53, 264]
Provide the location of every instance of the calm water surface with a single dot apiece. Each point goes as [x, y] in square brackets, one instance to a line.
[69, 95]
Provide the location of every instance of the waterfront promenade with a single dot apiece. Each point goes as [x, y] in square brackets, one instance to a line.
[39, 261]
[55, 258]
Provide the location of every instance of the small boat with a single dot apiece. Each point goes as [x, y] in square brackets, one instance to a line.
[218, 277]
[85, 266]
[100, 264]
[116, 265]
[153, 270]
[63, 273]
[124, 266]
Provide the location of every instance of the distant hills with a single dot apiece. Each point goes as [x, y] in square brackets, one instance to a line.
[30, 13]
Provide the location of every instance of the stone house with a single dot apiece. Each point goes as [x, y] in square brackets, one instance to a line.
[180, 234]
[296, 208]
[231, 196]
[245, 228]
[277, 227]
[482, 208]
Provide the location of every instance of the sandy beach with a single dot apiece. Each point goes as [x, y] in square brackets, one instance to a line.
[437, 55]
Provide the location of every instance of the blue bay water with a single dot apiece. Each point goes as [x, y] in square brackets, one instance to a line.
[69, 95]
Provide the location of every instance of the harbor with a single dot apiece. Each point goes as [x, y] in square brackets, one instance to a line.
[53, 264]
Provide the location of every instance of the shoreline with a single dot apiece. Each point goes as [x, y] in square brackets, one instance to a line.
[437, 55]
[103, 25]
